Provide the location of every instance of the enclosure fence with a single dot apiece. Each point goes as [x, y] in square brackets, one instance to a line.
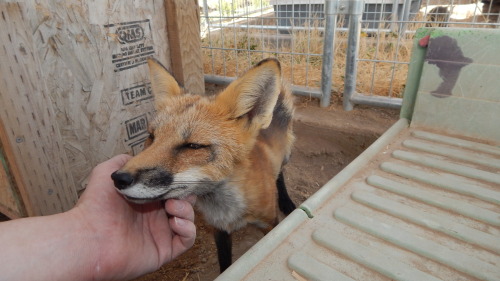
[355, 50]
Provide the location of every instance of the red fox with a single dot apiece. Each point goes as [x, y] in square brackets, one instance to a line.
[228, 149]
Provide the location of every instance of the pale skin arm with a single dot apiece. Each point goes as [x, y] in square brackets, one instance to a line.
[103, 238]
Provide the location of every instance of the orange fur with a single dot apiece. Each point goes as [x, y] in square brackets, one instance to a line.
[227, 149]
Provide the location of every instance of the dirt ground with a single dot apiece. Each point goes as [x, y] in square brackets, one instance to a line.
[327, 140]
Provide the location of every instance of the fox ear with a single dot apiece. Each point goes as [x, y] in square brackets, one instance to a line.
[162, 83]
[254, 95]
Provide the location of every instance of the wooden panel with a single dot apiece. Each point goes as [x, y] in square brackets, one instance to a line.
[94, 59]
[183, 20]
[31, 125]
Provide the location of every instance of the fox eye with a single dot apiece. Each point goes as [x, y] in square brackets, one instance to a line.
[151, 136]
[149, 139]
[195, 145]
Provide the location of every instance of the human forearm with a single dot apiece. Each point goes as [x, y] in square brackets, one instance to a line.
[54, 247]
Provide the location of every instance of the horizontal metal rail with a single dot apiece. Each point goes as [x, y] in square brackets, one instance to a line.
[379, 101]
[296, 90]
[261, 51]
[215, 28]
[385, 61]
[292, 28]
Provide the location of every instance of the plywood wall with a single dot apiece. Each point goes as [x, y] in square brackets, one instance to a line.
[75, 89]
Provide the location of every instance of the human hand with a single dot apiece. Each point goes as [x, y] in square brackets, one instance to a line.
[132, 239]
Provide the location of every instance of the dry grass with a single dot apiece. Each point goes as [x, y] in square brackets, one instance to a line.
[382, 68]
[383, 77]
[238, 49]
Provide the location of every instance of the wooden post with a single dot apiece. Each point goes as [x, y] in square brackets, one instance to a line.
[183, 27]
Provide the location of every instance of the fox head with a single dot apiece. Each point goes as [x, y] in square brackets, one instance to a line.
[197, 142]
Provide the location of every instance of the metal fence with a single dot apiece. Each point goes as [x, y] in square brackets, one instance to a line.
[356, 49]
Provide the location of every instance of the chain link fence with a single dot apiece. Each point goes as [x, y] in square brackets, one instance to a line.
[359, 49]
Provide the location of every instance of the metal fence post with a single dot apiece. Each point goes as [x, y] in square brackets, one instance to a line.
[205, 12]
[405, 18]
[329, 37]
[395, 15]
[355, 13]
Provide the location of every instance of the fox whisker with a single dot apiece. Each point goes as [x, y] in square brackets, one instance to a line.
[207, 182]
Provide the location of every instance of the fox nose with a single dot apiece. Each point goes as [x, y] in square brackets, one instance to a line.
[122, 179]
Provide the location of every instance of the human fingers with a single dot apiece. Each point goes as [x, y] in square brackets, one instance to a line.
[106, 168]
[180, 208]
[100, 178]
[184, 235]
[182, 224]
[191, 199]
[115, 163]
